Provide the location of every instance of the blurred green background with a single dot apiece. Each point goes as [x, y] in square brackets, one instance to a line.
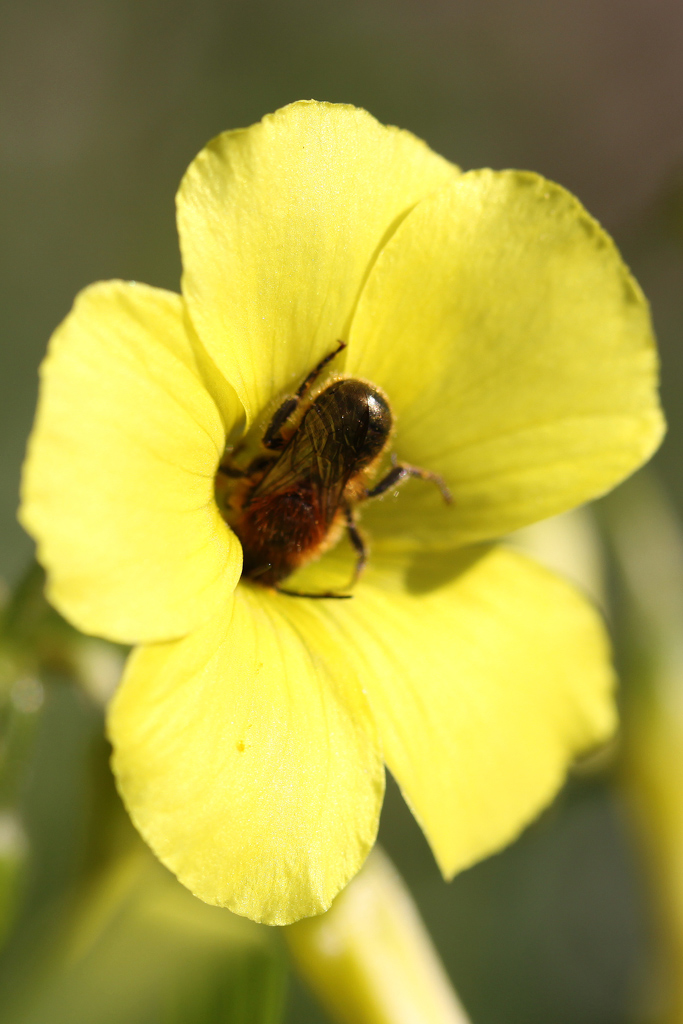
[104, 103]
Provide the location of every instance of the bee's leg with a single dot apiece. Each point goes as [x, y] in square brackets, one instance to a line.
[400, 472]
[302, 593]
[358, 542]
[231, 471]
[273, 438]
[318, 368]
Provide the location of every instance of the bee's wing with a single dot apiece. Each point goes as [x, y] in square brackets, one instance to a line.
[312, 460]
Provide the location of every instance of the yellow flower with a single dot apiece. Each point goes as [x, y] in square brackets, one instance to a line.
[251, 729]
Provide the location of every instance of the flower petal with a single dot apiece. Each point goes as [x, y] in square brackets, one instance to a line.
[279, 224]
[486, 675]
[118, 483]
[247, 758]
[517, 353]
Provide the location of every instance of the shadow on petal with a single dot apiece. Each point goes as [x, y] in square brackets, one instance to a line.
[429, 570]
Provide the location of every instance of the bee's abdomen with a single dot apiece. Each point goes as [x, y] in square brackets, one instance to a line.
[280, 531]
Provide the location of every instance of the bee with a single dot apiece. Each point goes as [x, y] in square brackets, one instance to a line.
[293, 501]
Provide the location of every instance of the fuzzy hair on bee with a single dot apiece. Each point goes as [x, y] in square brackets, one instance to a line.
[293, 500]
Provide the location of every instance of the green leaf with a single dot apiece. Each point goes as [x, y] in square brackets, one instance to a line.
[143, 950]
[12, 864]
